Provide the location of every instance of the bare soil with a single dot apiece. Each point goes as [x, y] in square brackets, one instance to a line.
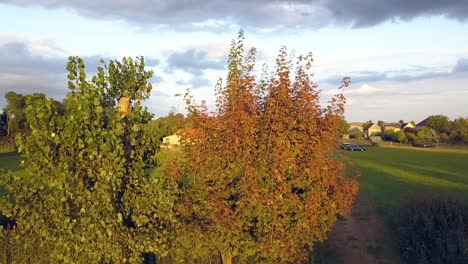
[361, 238]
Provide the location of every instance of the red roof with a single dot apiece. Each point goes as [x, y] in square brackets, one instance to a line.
[423, 123]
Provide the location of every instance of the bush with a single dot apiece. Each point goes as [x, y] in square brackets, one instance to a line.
[433, 231]
[358, 135]
[411, 137]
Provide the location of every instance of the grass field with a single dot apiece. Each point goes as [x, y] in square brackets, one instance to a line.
[9, 161]
[389, 174]
[393, 174]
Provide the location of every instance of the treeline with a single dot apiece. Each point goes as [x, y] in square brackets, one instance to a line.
[438, 129]
[257, 182]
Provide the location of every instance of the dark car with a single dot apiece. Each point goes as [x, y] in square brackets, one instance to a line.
[345, 145]
[427, 146]
[357, 148]
[424, 145]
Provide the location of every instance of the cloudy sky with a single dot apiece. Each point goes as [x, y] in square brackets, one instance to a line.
[407, 59]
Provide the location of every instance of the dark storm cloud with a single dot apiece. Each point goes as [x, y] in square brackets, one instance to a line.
[194, 61]
[362, 13]
[257, 13]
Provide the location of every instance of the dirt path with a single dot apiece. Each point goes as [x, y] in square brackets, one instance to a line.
[361, 238]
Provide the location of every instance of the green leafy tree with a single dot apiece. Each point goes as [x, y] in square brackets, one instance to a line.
[428, 135]
[460, 130]
[411, 137]
[389, 135]
[84, 190]
[381, 124]
[344, 128]
[366, 124]
[359, 135]
[3, 124]
[14, 109]
[400, 136]
[259, 182]
[440, 123]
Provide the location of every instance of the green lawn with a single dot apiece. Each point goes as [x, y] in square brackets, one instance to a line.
[393, 174]
[9, 161]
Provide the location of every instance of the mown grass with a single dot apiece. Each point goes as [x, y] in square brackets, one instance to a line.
[9, 161]
[394, 174]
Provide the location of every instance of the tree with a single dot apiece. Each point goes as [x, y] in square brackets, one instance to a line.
[84, 190]
[411, 137]
[428, 135]
[381, 124]
[440, 123]
[366, 124]
[259, 181]
[14, 109]
[400, 136]
[3, 125]
[343, 128]
[460, 130]
[389, 135]
[359, 135]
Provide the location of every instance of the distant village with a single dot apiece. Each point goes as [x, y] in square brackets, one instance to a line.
[433, 129]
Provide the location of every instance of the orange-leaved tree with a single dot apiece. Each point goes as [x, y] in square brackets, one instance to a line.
[260, 181]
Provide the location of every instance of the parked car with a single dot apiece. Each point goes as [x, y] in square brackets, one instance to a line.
[357, 148]
[345, 145]
[424, 145]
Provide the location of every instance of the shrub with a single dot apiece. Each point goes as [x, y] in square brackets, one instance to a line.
[358, 135]
[433, 231]
[411, 137]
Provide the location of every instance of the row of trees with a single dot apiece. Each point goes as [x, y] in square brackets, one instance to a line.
[258, 180]
[13, 119]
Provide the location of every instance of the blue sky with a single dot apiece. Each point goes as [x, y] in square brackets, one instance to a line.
[407, 59]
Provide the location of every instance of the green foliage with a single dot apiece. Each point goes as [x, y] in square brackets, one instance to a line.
[381, 124]
[440, 123]
[460, 130]
[84, 189]
[15, 118]
[168, 125]
[433, 231]
[3, 124]
[427, 135]
[359, 135]
[343, 128]
[400, 136]
[392, 175]
[411, 137]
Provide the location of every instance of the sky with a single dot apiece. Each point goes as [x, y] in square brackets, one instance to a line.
[407, 59]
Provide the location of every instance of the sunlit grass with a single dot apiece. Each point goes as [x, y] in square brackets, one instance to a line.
[393, 174]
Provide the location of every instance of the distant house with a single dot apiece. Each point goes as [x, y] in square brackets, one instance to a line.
[354, 128]
[407, 125]
[392, 127]
[353, 131]
[370, 129]
[422, 124]
[171, 141]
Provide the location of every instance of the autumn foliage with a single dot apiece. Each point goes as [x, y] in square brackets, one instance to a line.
[260, 181]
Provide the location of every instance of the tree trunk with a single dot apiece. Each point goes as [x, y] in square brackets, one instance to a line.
[125, 106]
[226, 257]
